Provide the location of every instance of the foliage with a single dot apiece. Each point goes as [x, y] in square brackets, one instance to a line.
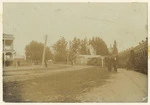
[74, 48]
[115, 50]
[78, 46]
[60, 50]
[99, 46]
[34, 51]
[83, 48]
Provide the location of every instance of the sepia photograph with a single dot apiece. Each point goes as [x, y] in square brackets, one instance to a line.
[75, 52]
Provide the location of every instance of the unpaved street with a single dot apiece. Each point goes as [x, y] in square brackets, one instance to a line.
[75, 84]
[124, 86]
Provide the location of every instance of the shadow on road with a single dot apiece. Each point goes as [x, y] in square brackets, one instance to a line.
[12, 92]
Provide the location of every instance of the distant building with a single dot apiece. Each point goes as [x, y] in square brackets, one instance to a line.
[138, 55]
[8, 49]
[19, 58]
[81, 59]
[85, 59]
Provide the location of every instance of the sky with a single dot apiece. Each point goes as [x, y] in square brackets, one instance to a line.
[124, 22]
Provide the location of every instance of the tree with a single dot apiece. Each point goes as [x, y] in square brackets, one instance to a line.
[99, 45]
[75, 46]
[83, 47]
[115, 49]
[60, 49]
[34, 51]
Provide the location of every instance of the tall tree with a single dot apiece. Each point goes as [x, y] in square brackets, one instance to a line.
[75, 45]
[34, 51]
[83, 49]
[115, 49]
[99, 45]
[60, 48]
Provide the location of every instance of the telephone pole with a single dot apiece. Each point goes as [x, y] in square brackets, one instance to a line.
[43, 57]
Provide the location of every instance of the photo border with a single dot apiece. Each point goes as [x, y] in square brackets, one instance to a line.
[84, 1]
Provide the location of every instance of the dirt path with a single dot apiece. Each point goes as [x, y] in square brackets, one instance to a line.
[125, 86]
[63, 86]
[78, 84]
[22, 75]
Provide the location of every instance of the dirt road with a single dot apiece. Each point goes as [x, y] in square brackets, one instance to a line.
[124, 86]
[77, 84]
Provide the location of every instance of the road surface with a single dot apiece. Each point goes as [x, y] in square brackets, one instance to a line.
[74, 84]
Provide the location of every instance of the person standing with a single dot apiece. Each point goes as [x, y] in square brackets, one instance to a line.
[109, 63]
[18, 63]
[114, 61]
[45, 63]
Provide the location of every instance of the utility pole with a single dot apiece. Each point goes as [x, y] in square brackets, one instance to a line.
[43, 57]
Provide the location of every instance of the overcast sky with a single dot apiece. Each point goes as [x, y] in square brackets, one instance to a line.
[124, 22]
